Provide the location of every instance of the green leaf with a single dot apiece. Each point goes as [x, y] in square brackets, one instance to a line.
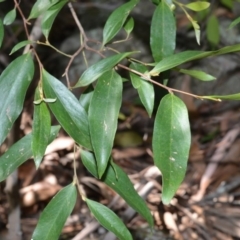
[227, 3]
[128, 26]
[156, 2]
[116, 20]
[67, 110]
[197, 6]
[145, 88]
[121, 184]
[86, 97]
[40, 7]
[1, 32]
[213, 35]
[20, 152]
[108, 219]
[49, 17]
[235, 96]
[41, 129]
[20, 45]
[198, 74]
[103, 116]
[14, 82]
[234, 23]
[171, 143]
[55, 214]
[98, 69]
[10, 17]
[187, 56]
[163, 32]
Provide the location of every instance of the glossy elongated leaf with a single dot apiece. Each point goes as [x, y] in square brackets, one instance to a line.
[20, 45]
[235, 96]
[103, 115]
[41, 129]
[67, 110]
[234, 23]
[163, 32]
[49, 17]
[213, 35]
[20, 152]
[187, 56]
[119, 181]
[145, 89]
[14, 82]
[171, 143]
[1, 32]
[116, 20]
[55, 214]
[198, 74]
[10, 17]
[198, 6]
[40, 7]
[86, 97]
[108, 219]
[98, 69]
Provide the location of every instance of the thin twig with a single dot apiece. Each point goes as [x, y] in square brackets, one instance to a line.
[75, 17]
[144, 76]
[69, 65]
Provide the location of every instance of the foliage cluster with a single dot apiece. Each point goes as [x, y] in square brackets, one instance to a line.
[92, 119]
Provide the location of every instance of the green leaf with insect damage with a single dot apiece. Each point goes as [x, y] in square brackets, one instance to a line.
[103, 116]
[171, 143]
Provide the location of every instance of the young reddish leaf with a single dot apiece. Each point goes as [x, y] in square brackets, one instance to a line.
[40, 6]
[163, 32]
[41, 129]
[119, 181]
[67, 110]
[108, 219]
[198, 6]
[1, 32]
[171, 143]
[20, 45]
[49, 17]
[14, 82]
[187, 56]
[10, 17]
[198, 74]
[116, 20]
[145, 88]
[20, 152]
[103, 115]
[55, 214]
[99, 68]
